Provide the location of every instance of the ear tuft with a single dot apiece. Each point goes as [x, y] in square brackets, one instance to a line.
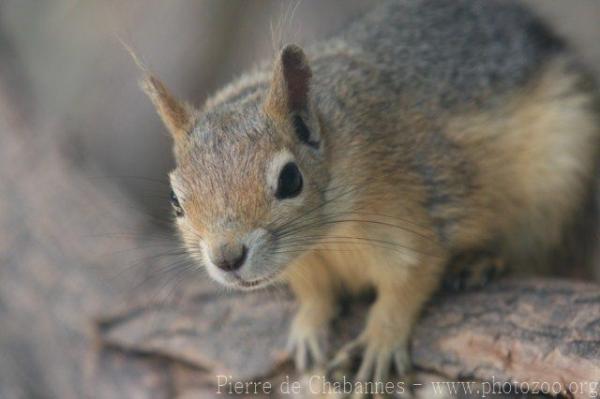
[290, 82]
[177, 116]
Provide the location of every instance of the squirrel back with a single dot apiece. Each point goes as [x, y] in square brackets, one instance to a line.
[456, 50]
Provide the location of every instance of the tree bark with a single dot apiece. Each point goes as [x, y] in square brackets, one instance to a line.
[527, 332]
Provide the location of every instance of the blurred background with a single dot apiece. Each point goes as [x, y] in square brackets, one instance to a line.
[81, 87]
[82, 151]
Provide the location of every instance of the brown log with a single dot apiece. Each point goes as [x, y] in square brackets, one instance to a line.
[521, 331]
[536, 331]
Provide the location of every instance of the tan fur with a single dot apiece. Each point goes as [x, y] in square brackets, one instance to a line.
[536, 157]
[404, 280]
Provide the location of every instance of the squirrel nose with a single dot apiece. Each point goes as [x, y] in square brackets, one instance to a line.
[229, 257]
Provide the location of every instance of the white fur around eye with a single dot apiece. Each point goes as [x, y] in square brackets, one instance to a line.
[177, 186]
[274, 169]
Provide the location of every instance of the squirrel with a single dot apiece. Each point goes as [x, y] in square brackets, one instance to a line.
[425, 132]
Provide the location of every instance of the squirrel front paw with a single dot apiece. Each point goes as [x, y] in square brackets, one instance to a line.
[307, 339]
[379, 358]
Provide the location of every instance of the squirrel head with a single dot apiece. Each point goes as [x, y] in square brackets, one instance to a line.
[251, 177]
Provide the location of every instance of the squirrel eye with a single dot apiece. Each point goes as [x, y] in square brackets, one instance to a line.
[175, 203]
[289, 184]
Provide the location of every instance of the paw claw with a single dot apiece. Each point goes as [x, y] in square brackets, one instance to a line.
[346, 354]
[375, 366]
[305, 345]
[306, 352]
[401, 362]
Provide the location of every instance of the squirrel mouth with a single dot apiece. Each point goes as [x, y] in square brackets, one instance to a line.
[252, 284]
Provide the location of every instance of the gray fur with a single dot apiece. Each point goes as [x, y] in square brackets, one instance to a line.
[454, 49]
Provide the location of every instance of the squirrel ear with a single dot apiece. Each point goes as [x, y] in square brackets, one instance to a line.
[177, 116]
[290, 82]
